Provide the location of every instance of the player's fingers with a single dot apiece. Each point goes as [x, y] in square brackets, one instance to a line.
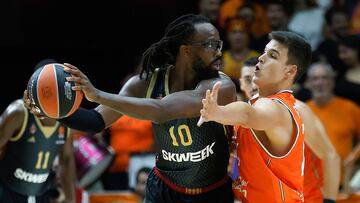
[204, 102]
[77, 87]
[200, 121]
[71, 66]
[25, 94]
[26, 98]
[74, 79]
[208, 95]
[73, 70]
[215, 90]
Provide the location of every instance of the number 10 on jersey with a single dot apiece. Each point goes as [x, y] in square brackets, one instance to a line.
[182, 131]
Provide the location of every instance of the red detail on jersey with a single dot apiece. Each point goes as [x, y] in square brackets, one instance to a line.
[191, 191]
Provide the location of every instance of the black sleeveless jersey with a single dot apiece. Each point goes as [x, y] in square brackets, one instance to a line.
[29, 155]
[187, 155]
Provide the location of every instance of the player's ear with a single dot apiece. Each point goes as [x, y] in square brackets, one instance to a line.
[291, 70]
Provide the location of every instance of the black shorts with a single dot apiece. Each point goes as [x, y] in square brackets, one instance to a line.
[9, 196]
[158, 192]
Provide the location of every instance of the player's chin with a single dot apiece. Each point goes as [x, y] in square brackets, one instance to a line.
[208, 73]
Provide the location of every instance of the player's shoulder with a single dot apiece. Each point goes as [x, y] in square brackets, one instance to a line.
[15, 110]
[135, 86]
[17, 106]
[304, 110]
[270, 105]
[300, 105]
[222, 75]
[225, 79]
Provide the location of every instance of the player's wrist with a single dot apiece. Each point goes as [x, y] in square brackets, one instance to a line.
[329, 201]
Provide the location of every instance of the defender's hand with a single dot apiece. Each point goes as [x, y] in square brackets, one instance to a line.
[210, 110]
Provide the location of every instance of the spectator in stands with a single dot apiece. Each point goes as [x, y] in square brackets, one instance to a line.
[239, 49]
[247, 9]
[277, 13]
[348, 86]
[337, 27]
[308, 11]
[141, 178]
[211, 9]
[340, 116]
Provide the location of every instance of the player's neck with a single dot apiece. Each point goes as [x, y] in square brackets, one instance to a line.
[271, 90]
[182, 77]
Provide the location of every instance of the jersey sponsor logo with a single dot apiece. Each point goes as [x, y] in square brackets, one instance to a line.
[30, 177]
[59, 142]
[189, 156]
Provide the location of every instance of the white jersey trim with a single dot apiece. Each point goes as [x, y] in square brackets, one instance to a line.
[297, 135]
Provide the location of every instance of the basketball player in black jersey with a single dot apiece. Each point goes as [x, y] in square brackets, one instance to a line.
[191, 164]
[28, 148]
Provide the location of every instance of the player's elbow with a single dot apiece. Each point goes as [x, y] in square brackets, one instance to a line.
[336, 158]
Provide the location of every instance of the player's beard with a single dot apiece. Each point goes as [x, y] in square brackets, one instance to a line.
[204, 71]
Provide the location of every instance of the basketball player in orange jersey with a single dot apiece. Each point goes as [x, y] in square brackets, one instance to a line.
[322, 163]
[177, 70]
[271, 141]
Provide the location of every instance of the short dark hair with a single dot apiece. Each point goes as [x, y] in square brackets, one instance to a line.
[351, 41]
[251, 61]
[299, 50]
[164, 52]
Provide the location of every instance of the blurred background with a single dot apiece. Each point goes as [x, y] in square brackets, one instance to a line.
[104, 39]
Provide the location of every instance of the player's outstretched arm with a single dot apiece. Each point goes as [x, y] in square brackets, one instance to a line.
[259, 116]
[182, 104]
[319, 143]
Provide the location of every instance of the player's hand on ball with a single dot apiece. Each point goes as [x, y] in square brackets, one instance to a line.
[82, 82]
[32, 108]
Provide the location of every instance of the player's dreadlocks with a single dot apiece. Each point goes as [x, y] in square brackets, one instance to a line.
[165, 51]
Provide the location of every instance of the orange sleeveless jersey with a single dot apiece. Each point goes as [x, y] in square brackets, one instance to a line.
[313, 177]
[264, 177]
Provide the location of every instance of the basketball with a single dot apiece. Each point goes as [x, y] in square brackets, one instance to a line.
[51, 93]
